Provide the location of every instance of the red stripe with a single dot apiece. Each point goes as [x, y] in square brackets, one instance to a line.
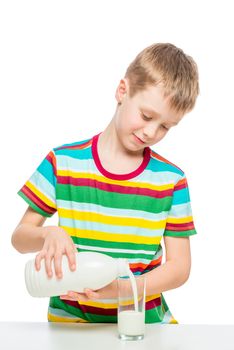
[153, 303]
[51, 158]
[180, 185]
[108, 312]
[142, 267]
[92, 309]
[36, 200]
[177, 188]
[65, 180]
[180, 227]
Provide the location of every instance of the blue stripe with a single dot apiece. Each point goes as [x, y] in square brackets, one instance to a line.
[181, 196]
[61, 313]
[46, 169]
[84, 153]
[157, 166]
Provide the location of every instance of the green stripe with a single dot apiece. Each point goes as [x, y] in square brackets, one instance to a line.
[85, 194]
[34, 206]
[100, 318]
[180, 233]
[121, 255]
[57, 303]
[154, 315]
[115, 245]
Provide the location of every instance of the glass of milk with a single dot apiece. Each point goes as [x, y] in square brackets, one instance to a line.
[131, 307]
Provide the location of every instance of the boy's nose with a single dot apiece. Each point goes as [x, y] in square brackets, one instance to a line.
[150, 131]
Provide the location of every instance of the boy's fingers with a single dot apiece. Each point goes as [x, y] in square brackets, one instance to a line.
[38, 259]
[72, 294]
[66, 297]
[38, 262]
[58, 265]
[91, 294]
[88, 294]
[71, 258]
[48, 259]
[77, 296]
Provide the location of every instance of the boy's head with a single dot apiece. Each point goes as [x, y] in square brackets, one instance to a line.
[169, 66]
[160, 86]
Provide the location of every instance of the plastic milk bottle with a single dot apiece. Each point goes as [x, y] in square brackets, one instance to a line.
[93, 270]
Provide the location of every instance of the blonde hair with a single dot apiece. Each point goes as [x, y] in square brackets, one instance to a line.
[167, 64]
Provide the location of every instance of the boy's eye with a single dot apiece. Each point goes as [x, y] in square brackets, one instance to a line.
[149, 118]
[145, 117]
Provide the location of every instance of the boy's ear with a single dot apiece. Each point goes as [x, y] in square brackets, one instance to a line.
[121, 90]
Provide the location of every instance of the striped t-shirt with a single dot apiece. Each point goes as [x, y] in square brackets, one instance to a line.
[121, 215]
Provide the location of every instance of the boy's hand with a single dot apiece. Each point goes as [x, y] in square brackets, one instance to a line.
[56, 243]
[108, 292]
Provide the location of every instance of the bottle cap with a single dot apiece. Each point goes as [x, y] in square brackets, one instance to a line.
[123, 267]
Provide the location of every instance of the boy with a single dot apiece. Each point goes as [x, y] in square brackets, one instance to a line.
[117, 196]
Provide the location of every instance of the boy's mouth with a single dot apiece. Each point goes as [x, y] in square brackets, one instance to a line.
[139, 140]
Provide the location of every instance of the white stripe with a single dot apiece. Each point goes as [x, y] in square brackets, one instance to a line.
[180, 210]
[147, 252]
[43, 185]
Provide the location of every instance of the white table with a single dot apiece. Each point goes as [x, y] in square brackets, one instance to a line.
[103, 336]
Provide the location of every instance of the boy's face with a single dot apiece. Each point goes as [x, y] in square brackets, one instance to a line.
[144, 119]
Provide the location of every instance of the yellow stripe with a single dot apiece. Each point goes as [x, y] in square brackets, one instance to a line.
[173, 321]
[180, 220]
[111, 220]
[55, 318]
[152, 297]
[104, 305]
[40, 194]
[76, 175]
[99, 304]
[89, 234]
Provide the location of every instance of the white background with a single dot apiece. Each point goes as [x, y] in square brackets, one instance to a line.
[60, 63]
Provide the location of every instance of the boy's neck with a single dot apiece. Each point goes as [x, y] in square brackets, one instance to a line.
[112, 159]
[110, 146]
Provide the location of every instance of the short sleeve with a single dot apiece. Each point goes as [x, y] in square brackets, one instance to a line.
[40, 190]
[180, 220]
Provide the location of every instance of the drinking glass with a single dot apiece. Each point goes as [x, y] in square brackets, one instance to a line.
[131, 307]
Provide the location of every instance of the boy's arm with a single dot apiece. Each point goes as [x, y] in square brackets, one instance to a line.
[29, 235]
[51, 241]
[176, 269]
[172, 274]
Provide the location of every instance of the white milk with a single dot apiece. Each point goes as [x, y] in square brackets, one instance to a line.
[131, 322]
[134, 288]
